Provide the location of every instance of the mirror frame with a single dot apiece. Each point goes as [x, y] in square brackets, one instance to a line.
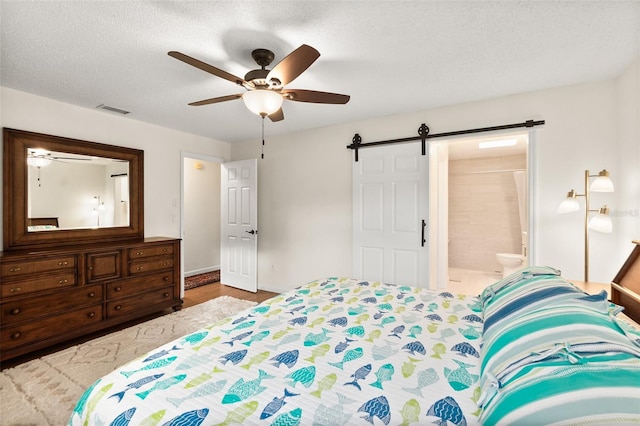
[15, 191]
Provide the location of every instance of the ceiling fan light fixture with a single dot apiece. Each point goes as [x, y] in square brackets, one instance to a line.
[38, 161]
[263, 102]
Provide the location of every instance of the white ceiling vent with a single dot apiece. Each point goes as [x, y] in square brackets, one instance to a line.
[112, 109]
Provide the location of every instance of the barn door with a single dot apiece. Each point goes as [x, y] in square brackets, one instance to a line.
[390, 214]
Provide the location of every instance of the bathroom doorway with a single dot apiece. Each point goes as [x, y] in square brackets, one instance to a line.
[485, 229]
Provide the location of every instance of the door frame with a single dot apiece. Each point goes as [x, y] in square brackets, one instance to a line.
[441, 263]
[183, 156]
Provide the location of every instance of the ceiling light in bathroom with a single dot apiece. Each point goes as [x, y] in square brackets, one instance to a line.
[497, 143]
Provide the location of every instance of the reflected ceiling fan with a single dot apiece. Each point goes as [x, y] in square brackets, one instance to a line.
[42, 158]
[265, 88]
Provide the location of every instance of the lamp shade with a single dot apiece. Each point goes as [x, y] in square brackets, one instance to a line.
[569, 204]
[601, 222]
[602, 183]
[263, 102]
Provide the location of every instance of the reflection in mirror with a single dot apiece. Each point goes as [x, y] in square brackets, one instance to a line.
[75, 191]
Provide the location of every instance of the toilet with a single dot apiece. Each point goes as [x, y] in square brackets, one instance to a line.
[510, 262]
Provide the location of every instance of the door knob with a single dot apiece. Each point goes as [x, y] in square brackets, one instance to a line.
[252, 232]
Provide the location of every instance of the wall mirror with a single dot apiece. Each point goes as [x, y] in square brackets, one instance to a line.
[60, 191]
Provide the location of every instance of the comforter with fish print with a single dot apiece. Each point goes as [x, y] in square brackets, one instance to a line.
[332, 352]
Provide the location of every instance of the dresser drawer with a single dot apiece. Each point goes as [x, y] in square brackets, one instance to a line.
[25, 267]
[103, 266]
[150, 251]
[140, 302]
[12, 337]
[14, 312]
[151, 265]
[39, 283]
[137, 285]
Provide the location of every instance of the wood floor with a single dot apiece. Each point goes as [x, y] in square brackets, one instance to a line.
[211, 291]
[191, 297]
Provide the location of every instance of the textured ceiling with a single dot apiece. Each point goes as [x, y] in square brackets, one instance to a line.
[390, 56]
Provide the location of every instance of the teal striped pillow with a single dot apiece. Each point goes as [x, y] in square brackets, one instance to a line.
[547, 344]
[523, 275]
[600, 393]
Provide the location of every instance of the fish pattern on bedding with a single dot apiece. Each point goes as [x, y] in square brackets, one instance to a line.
[332, 352]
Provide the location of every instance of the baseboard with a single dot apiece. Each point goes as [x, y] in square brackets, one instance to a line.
[269, 289]
[201, 271]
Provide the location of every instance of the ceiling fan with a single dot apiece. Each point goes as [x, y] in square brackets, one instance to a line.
[42, 158]
[265, 88]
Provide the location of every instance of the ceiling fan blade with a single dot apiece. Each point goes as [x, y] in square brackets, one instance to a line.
[277, 116]
[70, 158]
[294, 64]
[316, 97]
[216, 100]
[207, 68]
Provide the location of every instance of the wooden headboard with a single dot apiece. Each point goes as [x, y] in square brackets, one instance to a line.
[40, 221]
[625, 288]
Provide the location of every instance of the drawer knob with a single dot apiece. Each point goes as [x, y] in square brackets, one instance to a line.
[166, 294]
[16, 269]
[118, 307]
[63, 281]
[165, 250]
[92, 294]
[91, 314]
[14, 289]
[165, 278]
[165, 263]
[90, 268]
[15, 311]
[139, 253]
[139, 268]
[117, 289]
[65, 263]
[16, 336]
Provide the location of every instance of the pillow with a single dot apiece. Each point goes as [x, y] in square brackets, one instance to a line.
[547, 329]
[521, 275]
[532, 298]
[596, 393]
[547, 344]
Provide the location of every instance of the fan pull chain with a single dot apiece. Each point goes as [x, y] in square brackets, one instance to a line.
[262, 155]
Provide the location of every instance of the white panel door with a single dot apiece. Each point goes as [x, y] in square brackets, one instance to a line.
[239, 222]
[390, 212]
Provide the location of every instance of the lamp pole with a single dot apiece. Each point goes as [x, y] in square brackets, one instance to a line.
[586, 226]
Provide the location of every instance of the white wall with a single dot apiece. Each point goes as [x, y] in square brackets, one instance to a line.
[304, 206]
[201, 216]
[305, 198]
[626, 212]
[162, 147]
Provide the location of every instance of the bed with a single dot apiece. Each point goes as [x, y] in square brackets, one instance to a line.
[341, 351]
[42, 223]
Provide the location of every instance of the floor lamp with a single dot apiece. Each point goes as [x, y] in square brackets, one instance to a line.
[601, 222]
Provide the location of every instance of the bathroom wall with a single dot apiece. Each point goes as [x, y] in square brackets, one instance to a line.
[483, 211]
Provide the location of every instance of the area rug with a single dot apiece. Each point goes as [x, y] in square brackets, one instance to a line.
[201, 279]
[44, 391]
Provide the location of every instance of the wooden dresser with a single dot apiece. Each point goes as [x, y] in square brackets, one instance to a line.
[52, 295]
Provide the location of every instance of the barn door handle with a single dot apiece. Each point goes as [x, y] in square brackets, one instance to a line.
[424, 225]
[252, 232]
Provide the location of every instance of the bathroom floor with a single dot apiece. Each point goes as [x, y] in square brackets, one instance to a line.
[470, 282]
